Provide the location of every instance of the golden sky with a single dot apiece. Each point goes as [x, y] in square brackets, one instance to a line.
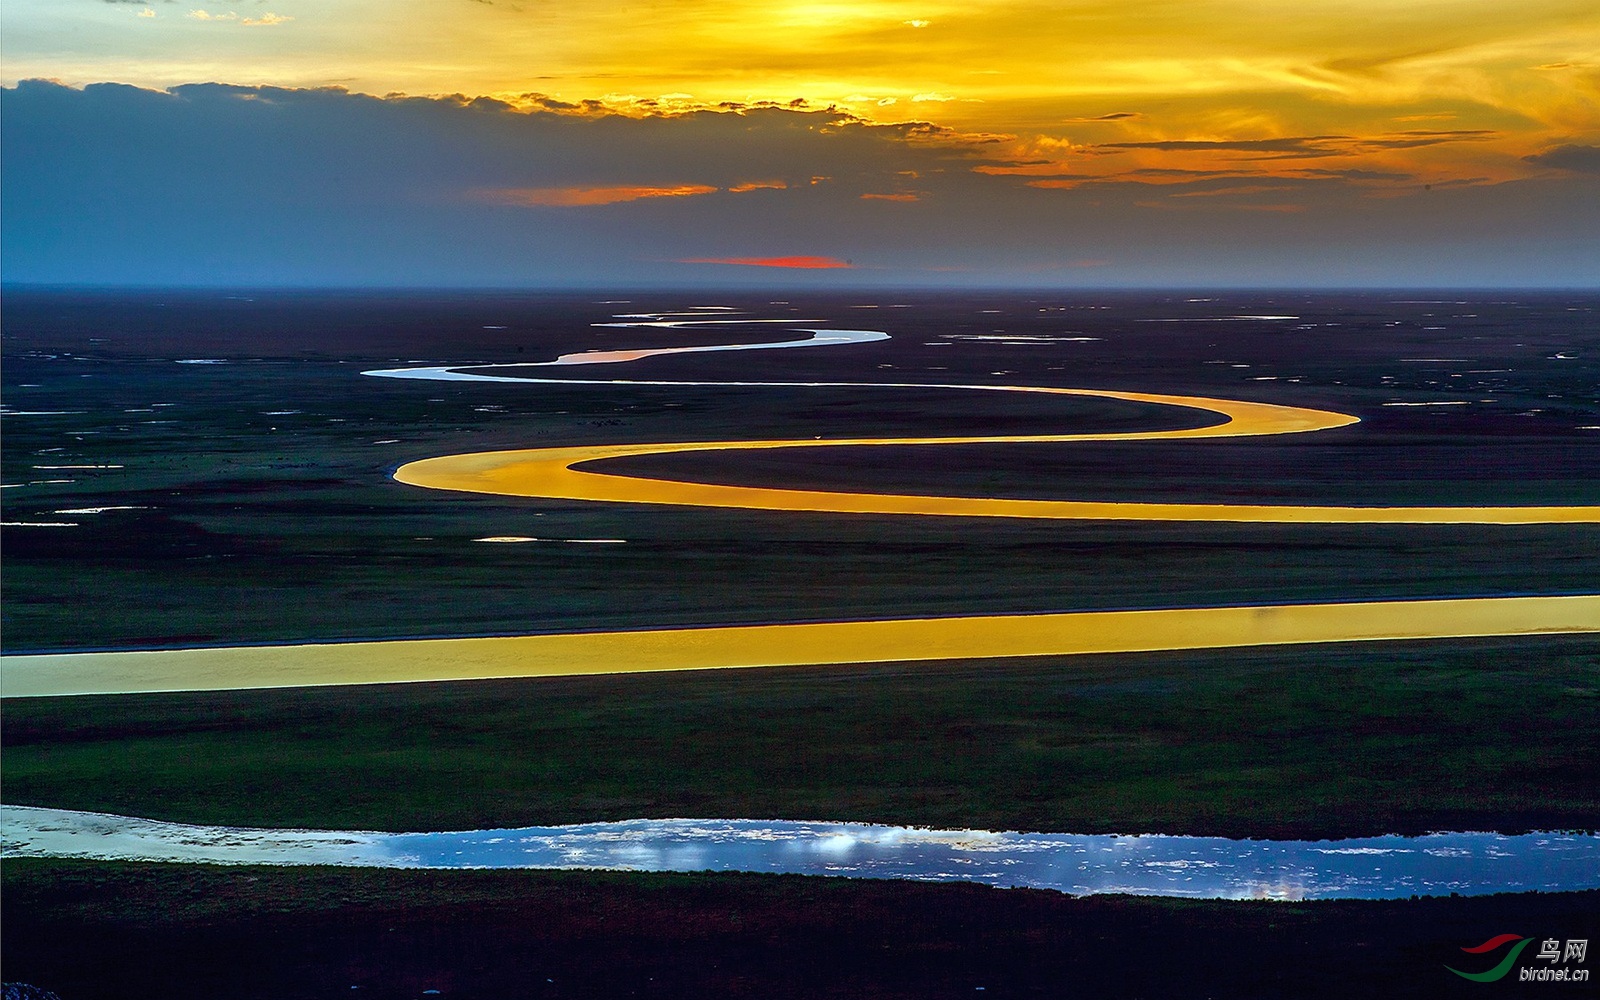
[1176, 69]
[1258, 99]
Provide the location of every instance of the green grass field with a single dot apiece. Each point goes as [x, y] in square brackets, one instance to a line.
[1282, 742]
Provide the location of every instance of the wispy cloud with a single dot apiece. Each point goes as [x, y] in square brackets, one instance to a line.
[266, 20]
[1115, 116]
[1365, 160]
[805, 263]
[1314, 145]
[578, 197]
[581, 196]
[1233, 191]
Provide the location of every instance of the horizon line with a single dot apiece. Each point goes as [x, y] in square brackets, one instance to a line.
[782, 286]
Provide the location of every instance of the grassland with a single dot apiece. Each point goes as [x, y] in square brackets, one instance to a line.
[1288, 742]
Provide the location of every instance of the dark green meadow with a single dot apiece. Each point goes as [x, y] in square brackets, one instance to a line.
[1294, 742]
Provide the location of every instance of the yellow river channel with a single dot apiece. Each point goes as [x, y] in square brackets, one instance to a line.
[554, 473]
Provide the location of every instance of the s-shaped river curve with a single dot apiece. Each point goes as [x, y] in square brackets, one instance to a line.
[553, 473]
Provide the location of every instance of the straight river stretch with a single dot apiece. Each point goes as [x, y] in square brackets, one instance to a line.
[1200, 867]
[905, 639]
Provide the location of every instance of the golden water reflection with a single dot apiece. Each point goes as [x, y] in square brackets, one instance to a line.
[725, 647]
[553, 473]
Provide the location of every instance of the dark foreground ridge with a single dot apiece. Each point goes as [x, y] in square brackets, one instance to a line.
[130, 931]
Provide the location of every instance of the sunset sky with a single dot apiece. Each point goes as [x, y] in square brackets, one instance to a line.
[1124, 142]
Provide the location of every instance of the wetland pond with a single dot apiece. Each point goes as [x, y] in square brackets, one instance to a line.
[1382, 867]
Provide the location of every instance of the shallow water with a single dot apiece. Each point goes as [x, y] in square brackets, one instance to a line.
[1212, 867]
[1205, 867]
[474, 373]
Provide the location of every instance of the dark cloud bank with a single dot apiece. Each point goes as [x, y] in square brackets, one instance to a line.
[223, 185]
[1584, 159]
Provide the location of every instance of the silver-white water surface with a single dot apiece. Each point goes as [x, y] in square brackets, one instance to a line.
[1147, 864]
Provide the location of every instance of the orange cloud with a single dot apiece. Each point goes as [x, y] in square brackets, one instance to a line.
[1175, 206]
[1225, 192]
[1372, 159]
[891, 197]
[808, 263]
[758, 186]
[568, 197]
